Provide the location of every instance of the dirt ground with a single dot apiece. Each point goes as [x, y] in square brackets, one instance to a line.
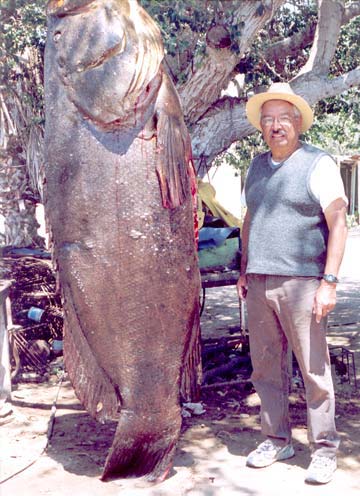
[210, 458]
[211, 453]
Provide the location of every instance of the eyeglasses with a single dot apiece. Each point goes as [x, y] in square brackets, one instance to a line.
[283, 120]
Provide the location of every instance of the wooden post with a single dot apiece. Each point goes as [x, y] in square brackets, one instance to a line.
[353, 189]
[358, 189]
[5, 321]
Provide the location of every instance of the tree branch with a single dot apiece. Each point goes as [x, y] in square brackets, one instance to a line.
[291, 45]
[326, 36]
[315, 88]
[227, 120]
[205, 82]
[352, 10]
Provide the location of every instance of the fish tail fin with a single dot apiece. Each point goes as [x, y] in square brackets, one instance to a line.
[142, 448]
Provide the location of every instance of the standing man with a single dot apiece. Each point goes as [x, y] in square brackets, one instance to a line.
[293, 236]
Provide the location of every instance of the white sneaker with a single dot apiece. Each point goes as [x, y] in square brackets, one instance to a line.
[267, 453]
[321, 470]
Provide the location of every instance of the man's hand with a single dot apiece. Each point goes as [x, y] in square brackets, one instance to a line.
[241, 287]
[325, 300]
[335, 215]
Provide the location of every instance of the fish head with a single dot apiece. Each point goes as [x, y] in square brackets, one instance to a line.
[108, 52]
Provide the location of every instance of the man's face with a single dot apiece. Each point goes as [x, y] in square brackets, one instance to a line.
[281, 128]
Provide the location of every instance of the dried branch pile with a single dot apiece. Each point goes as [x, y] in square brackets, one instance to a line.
[34, 285]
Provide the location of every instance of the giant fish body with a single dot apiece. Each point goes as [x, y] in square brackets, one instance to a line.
[118, 169]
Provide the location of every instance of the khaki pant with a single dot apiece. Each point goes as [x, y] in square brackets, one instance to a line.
[280, 312]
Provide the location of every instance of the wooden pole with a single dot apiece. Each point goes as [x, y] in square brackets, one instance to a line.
[358, 189]
[353, 189]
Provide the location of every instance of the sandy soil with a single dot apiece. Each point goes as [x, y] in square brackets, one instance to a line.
[211, 453]
[210, 458]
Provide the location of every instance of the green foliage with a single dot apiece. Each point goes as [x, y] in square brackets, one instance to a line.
[336, 127]
[170, 21]
[23, 26]
[184, 25]
[290, 19]
[21, 52]
[347, 53]
[179, 17]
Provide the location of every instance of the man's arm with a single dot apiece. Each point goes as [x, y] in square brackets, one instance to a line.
[242, 282]
[335, 215]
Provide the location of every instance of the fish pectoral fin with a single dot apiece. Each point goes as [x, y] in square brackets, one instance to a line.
[173, 147]
[172, 168]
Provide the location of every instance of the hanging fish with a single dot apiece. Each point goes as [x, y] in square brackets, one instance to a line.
[118, 182]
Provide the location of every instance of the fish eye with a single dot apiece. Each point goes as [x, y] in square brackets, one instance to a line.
[57, 36]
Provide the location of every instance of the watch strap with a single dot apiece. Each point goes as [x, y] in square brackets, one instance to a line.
[330, 278]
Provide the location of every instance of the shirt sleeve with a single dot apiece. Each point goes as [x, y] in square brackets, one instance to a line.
[326, 184]
[243, 194]
[243, 199]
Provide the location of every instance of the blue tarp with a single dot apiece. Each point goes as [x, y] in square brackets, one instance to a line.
[209, 237]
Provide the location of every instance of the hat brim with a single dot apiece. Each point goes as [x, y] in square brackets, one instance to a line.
[253, 108]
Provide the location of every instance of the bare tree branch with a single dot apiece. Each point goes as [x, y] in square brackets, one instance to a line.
[352, 10]
[204, 84]
[291, 45]
[316, 88]
[326, 36]
[227, 120]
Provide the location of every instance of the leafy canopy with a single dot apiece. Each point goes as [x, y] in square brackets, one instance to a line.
[184, 25]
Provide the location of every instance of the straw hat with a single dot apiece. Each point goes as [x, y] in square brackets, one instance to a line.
[279, 91]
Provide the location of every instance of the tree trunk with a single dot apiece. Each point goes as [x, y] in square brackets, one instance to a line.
[17, 203]
[21, 150]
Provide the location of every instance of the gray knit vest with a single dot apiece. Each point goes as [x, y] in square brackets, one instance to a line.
[288, 231]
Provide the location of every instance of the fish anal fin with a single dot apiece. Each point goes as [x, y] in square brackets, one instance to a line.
[91, 384]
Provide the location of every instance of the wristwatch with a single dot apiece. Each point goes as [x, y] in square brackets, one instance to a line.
[330, 278]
